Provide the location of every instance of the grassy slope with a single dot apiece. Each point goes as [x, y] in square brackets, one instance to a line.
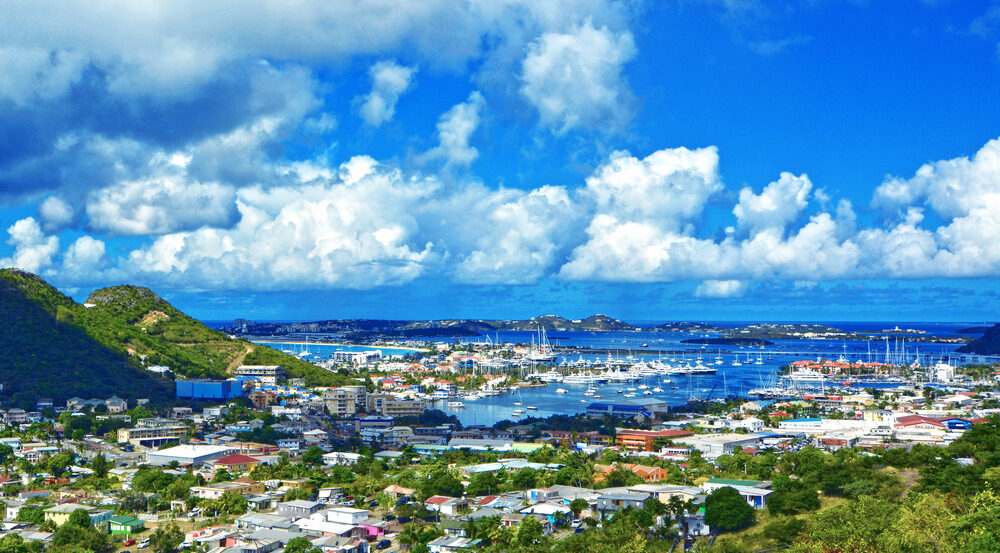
[96, 351]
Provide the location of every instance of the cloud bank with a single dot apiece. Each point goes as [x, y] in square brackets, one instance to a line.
[363, 224]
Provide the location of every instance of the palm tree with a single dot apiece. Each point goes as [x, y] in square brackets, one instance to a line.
[409, 536]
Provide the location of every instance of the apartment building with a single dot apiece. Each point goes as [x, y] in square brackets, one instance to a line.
[391, 406]
[152, 432]
[268, 375]
[344, 401]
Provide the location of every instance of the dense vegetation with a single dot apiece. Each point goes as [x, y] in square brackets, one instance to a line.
[56, 348]
[988, 344]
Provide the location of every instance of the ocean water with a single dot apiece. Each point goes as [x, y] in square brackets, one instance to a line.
[320, 352]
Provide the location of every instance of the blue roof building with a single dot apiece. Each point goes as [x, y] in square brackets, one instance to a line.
[208, 389]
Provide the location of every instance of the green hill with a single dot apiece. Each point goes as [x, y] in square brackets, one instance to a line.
[988, 344]
[54, 347]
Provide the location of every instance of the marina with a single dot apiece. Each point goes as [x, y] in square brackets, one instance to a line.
[699, 373]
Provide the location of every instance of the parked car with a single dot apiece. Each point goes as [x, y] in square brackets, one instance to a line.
[389, 517]
[576, 523]
[144, 544]
[373, 504]
[404, 520]
[579, 530]
[384, 544]
[128, 543]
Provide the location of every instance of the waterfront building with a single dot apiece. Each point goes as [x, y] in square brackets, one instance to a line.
[625, 410]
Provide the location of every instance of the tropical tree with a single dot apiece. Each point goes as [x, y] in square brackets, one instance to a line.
[100, 465]
[725, 510]
[166, 539]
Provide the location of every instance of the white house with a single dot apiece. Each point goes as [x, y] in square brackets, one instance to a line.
[347, 515]
[341, 458]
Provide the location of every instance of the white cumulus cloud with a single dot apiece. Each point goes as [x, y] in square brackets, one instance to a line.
[85, 256]
[574, 79]
[778, 204]
[455, 128]
[33, 250]
[389, 81]
[720, 289]
[56, 213]
[165, 201]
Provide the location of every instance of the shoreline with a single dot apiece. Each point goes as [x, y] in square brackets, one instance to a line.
[314, 343]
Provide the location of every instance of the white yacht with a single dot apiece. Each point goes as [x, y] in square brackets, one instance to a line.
[562, 391]
[456, 405]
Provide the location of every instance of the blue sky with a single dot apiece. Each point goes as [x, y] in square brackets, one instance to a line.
[697, 159]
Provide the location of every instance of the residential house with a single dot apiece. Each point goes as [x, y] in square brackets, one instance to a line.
[448, 544]
[396, 491]
[299, 508]
[116, 405]
[451, 506]
[347, 515]
[753, 491]
[646, 472]
[616, 501]
[218, 489]
[335, 458]
[125, 525]
[236, 463]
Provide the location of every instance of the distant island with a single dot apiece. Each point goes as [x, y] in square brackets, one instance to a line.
[973, 330]
[729, 341]
[367, 330]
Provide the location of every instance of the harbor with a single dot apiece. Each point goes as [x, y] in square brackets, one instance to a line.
[539, 374]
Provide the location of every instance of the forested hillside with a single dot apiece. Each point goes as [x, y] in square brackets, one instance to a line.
[54, 347]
